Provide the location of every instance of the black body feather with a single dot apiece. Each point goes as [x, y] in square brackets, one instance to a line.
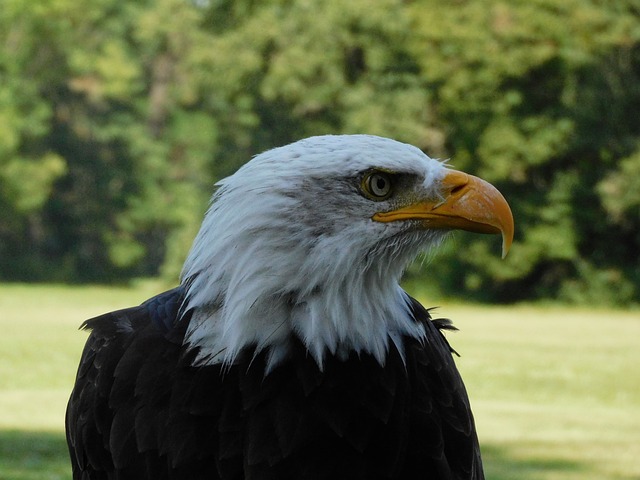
[139, 410]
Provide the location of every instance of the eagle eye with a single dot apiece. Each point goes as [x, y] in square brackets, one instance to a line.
[377, 185]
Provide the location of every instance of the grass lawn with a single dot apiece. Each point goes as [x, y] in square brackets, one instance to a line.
[555, 391]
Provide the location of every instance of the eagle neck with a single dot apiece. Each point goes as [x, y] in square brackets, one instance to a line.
[361, 311]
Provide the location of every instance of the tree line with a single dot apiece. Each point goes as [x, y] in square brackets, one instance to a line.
[116, 118]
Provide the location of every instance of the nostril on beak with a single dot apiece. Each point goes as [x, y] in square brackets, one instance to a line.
[456, 189]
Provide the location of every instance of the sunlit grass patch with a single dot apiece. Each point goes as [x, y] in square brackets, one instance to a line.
[555, 390]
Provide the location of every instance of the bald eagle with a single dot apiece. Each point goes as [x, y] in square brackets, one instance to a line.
[289, 350]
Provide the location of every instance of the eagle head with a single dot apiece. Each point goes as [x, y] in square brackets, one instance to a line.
[311, 239]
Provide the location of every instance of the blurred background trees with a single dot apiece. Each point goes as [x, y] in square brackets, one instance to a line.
[117, 117]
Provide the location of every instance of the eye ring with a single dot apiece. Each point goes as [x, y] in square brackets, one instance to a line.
[377, 185]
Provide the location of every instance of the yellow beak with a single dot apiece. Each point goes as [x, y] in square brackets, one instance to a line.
[467, 203]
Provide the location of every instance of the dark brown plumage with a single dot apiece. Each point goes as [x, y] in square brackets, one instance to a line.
[140, 410]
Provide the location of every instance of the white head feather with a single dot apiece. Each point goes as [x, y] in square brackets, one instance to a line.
[288, 246]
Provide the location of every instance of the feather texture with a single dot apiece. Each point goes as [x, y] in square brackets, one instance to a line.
[140, 409]
[288, 243]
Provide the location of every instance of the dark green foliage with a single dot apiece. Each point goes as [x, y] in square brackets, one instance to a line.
[116, 118]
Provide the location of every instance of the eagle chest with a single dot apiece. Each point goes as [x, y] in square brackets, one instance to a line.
[353, 419]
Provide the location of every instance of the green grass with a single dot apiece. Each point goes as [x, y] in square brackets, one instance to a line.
[555, 391]
[40, 346]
